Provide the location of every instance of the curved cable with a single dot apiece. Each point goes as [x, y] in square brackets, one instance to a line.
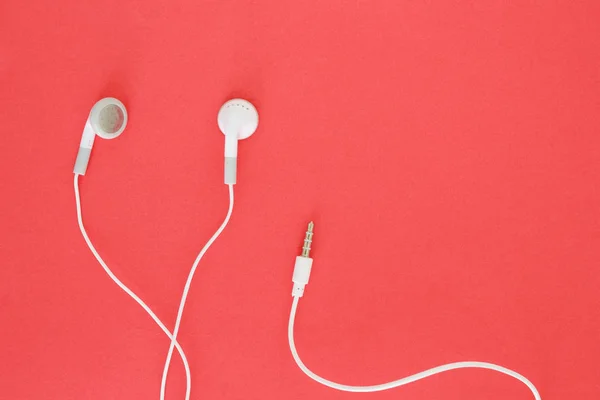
[129, 291]
[399, 382]
[186, 290]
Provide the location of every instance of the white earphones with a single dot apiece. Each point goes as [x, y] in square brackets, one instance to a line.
[238, 119]
[108, 120]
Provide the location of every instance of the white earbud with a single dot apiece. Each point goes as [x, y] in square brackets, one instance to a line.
[238, 119]
[107, 119]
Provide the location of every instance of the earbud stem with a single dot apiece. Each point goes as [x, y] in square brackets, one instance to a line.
[85, 149]
[231, 146]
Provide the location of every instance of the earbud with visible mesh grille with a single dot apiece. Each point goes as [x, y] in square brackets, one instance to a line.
[107, 119]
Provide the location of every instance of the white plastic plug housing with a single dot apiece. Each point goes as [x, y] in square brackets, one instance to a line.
[301, 275]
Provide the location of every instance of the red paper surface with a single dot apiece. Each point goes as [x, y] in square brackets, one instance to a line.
[448, 152]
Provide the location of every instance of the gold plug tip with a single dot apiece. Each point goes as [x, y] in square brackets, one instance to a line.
[308, 240]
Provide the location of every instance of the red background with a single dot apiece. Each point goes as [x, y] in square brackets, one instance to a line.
[448, 153]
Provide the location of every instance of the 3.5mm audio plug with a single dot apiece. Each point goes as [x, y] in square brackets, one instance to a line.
[303, 264]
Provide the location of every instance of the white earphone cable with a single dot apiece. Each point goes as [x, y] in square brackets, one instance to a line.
[399, 382]
[129, 291]
[186, 290]
[301, 277]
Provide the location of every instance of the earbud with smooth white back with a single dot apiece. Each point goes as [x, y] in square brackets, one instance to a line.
[107, 119]
[238, 119]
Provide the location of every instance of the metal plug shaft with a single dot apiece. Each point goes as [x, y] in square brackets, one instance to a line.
[308, 240]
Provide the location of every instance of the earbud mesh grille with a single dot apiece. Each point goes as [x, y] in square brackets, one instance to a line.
[111, 118]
